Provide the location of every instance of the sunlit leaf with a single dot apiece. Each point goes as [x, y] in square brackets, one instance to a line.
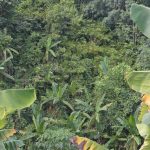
[2, 123]
[139, 81]
[144, 130]
[83, 143]
[146, 145]
[146, 119]
[143, 110]
[141, 16]
[2, 112]
[14, 99]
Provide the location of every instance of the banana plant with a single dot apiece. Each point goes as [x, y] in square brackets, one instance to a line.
[10, 101]
[2, 72]
[49, 48]
[83, 143]
[140, 80]
[14, 99]
[99, 107]
[38, 120]
[9, 144]
[104, 65]
[56, 95]
[133, 140]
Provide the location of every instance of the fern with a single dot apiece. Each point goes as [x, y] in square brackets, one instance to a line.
[55, 138]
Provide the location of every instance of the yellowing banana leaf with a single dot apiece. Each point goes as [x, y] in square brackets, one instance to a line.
[6, 133]
[139, 81]
[146, 99]
[83, 143]
[141, 16]
[14, 99]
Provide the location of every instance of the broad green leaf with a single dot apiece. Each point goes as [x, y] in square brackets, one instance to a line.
[146, 119]
[14, 99]
[146, 145]
[143, 111]
[1, 68]
[2, 112]
[141, 16]
[2, 123]
[144, 130]
[139, 81]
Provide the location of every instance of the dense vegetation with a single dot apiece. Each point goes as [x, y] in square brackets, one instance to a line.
[75, 53]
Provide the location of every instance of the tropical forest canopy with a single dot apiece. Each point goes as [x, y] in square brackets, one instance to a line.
[75, 54]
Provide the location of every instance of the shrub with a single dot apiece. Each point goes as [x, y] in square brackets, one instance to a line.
[118, 93]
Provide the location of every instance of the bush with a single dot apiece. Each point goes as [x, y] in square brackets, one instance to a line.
[55, 139]
[123, 99]
[143, 59]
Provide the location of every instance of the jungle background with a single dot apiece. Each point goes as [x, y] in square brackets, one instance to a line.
[75, 53]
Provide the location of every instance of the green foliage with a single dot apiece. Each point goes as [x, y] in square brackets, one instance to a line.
[55, 138]
[84, 143]
[143, 110]
[142, 61]
[14, 99]
[139, 81]
[63, 49]
[118, 93]
[140, 15]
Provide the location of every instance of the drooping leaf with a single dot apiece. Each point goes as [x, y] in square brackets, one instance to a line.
[141, 16]
[6, 133]
[143, 110]
[13, 144]
[146, 145]
[146, 119]
[52, 52]
[146, 99]
[106, 107]
[144, 130]
[139, 81]
[2, 113]
[2, 146]
[83, 143]
[2, 123]
[7, 76]
[14, 99]
[68, 105]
